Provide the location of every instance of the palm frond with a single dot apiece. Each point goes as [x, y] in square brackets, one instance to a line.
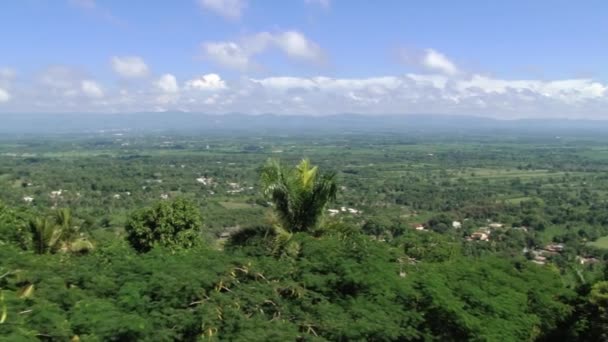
[299, 195]
[45, 235]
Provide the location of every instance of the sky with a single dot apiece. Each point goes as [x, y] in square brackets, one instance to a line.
[499, 59]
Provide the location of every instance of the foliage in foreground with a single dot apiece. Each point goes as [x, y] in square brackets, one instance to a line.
[336, 288]
[336, 284]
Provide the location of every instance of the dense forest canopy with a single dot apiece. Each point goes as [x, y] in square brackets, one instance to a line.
[123, 237]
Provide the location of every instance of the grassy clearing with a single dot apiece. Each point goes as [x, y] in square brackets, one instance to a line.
[236, 205]
[600, 243]
[504, 173]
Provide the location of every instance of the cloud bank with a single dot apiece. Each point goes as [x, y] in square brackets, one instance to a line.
[442, 89]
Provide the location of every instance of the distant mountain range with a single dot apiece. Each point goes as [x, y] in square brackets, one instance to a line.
[269, 124]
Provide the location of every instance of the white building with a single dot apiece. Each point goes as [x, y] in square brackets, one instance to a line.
[204, 180]
[333, 212]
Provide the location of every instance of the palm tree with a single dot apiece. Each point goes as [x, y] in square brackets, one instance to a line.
[63, 218]
[71, 238]
[45, 235]
[65, 222]
[300, 195]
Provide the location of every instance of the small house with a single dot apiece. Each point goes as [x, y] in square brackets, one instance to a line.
[333, 212]
[480, 236]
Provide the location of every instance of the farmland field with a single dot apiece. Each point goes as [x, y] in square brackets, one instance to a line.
[601, 242]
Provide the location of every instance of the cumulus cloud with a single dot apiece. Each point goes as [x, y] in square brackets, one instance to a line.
[210, 82]
[429, 60]
[61, 81]
[167, 83]
[229, 9]
[91, 89]
[436, 61]
[296, 45]
[129, 66]
[239, 55]
[4, 96]
[58, 83]
[228, 54]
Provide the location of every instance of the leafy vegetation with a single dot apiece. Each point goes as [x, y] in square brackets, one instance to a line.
[188, 238]
[174, 224]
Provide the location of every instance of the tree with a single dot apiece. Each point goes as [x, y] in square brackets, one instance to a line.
[598, 298]
[174, 224]
[13, 227]
[65, 222]
[45, 235]
[377, 226]
[300, 194]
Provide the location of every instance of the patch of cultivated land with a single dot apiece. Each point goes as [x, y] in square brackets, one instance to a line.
[236, 205]
[600, 243]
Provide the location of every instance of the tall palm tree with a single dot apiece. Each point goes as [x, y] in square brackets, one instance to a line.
[300, 195]
[71, 238]
[64, 220]
[45, 235]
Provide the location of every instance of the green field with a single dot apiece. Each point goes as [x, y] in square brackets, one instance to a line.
[600, 243]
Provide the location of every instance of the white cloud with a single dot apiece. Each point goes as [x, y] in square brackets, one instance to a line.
[436, 61]
[91, 89]
[429, 60]
[227, 54]
[61, 88]
[4, 96]
[61, 83]
[129, 66]
[437, 81]
[206, 82]
[328, 84]
[239, 55]
[230, 9]
[168, 84]
[211, 100]
[296, 45]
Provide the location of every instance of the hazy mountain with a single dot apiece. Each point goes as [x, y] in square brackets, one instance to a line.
[282, 124]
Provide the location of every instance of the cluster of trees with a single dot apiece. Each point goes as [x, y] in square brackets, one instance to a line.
[43, 234]
[301, 277]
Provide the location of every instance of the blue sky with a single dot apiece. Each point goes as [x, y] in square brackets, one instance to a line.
[503, 59]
